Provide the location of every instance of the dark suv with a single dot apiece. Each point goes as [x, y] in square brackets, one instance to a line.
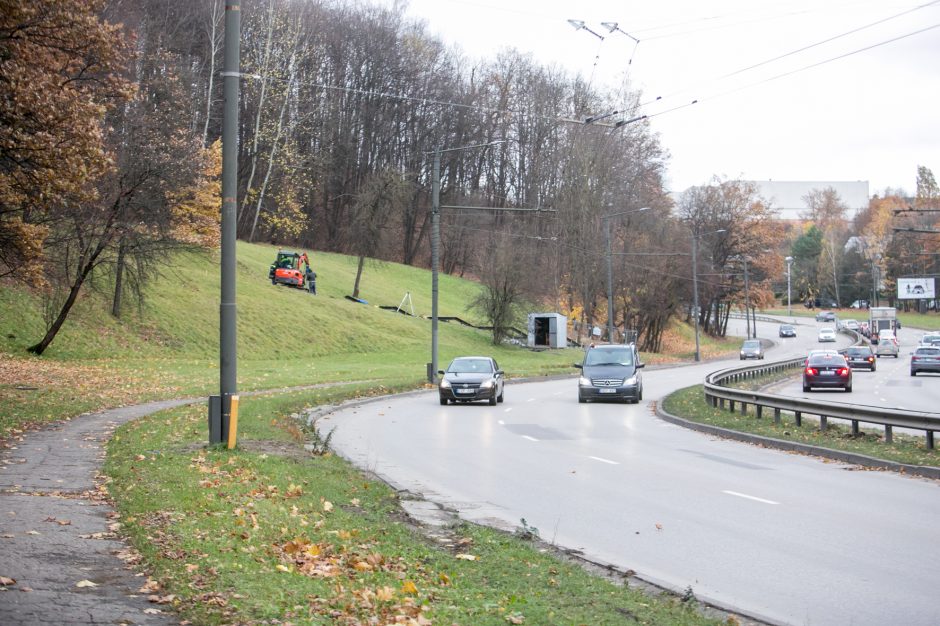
[611, 372]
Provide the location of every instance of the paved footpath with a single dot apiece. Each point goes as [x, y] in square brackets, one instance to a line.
[54, 532]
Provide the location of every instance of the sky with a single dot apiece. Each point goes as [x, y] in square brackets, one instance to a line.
[774, 100]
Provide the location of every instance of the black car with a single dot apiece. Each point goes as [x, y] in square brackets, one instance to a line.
[925, 359]
[470, 378]
[860, 356]
[825, 316]
[611, 372]
[827, 369]
[786, 330]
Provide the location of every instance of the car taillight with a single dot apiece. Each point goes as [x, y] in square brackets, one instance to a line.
[843, 371]
[871, 359]
[915, 358]
[812, 371]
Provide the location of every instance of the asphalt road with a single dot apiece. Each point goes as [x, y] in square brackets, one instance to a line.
[787, 538]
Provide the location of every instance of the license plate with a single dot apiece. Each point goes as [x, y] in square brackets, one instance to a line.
[608, 391]
[465, 391]
[827, 373]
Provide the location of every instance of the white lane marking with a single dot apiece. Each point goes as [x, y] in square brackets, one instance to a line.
[531, 400]
[508, 409]
[597, 458]
[501, 422]
[529, 438]
[747, 497]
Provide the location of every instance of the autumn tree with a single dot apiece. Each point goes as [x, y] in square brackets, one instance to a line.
[59, 73]
[827, 210]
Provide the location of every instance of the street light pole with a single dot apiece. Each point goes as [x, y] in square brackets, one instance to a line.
[610, 272]
[435, 261]
[698, 356]
[695, 296]
[789, 261]
[747, 302]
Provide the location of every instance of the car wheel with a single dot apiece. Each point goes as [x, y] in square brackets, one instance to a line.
[493, 400]
[848, 389]
[806, 388]
[443, 401]
[581, 399]
[913, 373]
[640, 395]
[499, 398]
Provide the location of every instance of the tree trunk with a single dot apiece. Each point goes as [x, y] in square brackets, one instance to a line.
[118, 280]
[273, 152]
[362, 261]
[76, 287]
[214, 18]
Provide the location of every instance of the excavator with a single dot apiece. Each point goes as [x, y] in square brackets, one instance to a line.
[286, 269]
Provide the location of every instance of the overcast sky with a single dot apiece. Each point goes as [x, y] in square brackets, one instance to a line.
[872, 115]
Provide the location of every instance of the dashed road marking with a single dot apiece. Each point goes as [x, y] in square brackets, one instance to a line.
[747, 497]
[529, 438]
[608, 461]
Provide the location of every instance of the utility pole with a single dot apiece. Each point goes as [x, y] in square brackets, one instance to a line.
[227, 329]
[435, 245]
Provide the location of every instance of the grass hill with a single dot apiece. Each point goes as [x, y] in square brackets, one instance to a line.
[169, 346]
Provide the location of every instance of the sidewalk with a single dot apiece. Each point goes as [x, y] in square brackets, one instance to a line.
[54, 530]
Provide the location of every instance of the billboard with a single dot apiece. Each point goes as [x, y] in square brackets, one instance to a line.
[916, 288]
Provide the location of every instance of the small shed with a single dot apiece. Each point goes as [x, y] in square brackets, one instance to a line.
[547, 330]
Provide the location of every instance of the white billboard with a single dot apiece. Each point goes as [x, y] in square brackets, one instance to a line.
[916, 288]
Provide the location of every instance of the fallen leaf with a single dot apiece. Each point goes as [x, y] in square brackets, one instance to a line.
[327, 506]
[32, 532]
[6, 582]
[659, 526]
[409, 587]
[152, 611]
[85, 583]
[385, 594]
[467, 557]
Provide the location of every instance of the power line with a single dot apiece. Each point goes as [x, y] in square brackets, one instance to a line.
[799, 50]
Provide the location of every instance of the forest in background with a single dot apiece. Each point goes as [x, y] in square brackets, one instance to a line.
[110, 160]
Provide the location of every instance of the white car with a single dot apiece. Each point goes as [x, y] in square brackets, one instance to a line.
[826, 334]
[850, 324]
[887, 344]
[930, 339]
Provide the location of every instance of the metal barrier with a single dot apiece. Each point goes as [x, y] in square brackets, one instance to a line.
[717, 395]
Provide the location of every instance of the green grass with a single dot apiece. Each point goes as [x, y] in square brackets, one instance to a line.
[214, 526]
[689, 403]
[266, 532]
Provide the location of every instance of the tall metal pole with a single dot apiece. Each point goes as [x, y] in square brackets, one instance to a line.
[227, 337]
[747, 303]
[610, 287]
[789, 261]
[435, 244]
[695, 295]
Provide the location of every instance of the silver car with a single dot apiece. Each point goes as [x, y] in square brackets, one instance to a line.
[887, 344]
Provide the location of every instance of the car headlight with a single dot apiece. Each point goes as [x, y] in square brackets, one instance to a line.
[584, 381]
[630, 381]
[488, 384]
[445, 384]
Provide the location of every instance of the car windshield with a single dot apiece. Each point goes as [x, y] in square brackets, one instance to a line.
[786, 328]
[617, 356]
[753, 344]
[858, 351]
[470, 366]
[927, 352]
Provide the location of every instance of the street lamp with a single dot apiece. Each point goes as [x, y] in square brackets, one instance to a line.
[789, 261]
[435, 243]
[698, 356]
[747, 300]
[610, 274]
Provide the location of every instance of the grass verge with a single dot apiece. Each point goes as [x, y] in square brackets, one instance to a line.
[269, 533]
[689, 403]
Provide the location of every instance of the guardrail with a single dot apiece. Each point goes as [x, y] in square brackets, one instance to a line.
[718, 395]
